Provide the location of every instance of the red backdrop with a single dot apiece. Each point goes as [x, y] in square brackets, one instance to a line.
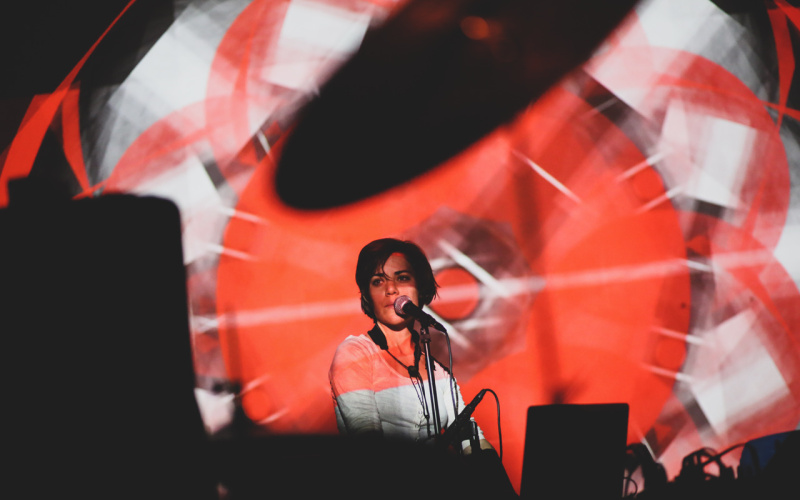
[627, 238]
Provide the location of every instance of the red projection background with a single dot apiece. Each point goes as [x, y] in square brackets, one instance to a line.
[630, 237]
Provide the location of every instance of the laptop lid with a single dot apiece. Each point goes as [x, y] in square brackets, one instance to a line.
[575, 451]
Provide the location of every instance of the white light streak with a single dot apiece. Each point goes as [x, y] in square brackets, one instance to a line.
[203, 324]
[680, 377]
[691, 339]
[229, 252]
[601, 107]
[455, 336]
[699, 266]
[262, 139]
[743, 259]
[652, 160]
[478, 323]
[659, 200]
[253, 384]
[549, 178]
[617, 274]
[647, 445]
[238, 214]
[508, 286]
[290, 313]
[275, 416]
[472, 267]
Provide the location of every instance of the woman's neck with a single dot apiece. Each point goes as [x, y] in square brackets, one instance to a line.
[397, 339]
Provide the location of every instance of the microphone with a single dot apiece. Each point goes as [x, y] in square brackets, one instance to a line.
[403, 306]
[467, 411]
[464, 416]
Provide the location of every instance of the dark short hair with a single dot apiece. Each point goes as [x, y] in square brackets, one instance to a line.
[374, 255]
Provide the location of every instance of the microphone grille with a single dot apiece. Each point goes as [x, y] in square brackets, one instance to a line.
[400, 303]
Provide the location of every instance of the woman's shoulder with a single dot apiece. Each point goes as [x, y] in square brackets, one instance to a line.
[354, 345]
[356, 353]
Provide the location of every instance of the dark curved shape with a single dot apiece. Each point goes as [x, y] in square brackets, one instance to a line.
[435, 78]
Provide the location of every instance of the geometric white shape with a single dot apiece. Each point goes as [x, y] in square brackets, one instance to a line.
[680, 24]
[323, 27]
[172, 75]
[314, 37]
[187, 184]
[700, 27]
[731, 334]
[751, 387]
[787, 250]
[216, 410]
[474, 268]
[734, 375]
[299, 75]
[722, 159]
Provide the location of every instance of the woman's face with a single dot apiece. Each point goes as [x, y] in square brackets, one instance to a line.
[387, 284]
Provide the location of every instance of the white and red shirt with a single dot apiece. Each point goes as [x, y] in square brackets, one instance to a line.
[373, 392]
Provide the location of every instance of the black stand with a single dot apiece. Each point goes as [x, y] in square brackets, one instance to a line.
[425, 342]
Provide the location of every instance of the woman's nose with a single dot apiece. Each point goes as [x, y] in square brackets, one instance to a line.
[390, 287]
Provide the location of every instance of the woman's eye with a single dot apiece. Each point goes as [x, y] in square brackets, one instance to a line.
[404, 277]
[376, 282]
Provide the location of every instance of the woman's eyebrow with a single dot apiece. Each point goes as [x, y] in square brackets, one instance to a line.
[400, 271]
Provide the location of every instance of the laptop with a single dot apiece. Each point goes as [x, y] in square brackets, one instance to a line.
[575, 451]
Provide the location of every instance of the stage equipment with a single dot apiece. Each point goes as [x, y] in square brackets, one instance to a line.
[767, 470]
[638, 456]
[575, 451]
[98, 364]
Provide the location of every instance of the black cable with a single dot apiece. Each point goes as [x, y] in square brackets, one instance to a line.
[697, 461]
[499, 429]
[639, 456]
[629, 480]
[724, 470]
[453, 395]
[718, 456]
[455, 398]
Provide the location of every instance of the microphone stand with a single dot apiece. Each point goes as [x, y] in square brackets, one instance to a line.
[425, 342]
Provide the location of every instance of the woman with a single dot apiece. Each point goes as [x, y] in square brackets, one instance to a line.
[378, 379]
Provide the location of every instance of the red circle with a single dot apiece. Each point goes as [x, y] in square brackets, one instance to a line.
[459, 294]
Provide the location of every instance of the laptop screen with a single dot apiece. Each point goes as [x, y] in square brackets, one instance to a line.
[575, 451]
